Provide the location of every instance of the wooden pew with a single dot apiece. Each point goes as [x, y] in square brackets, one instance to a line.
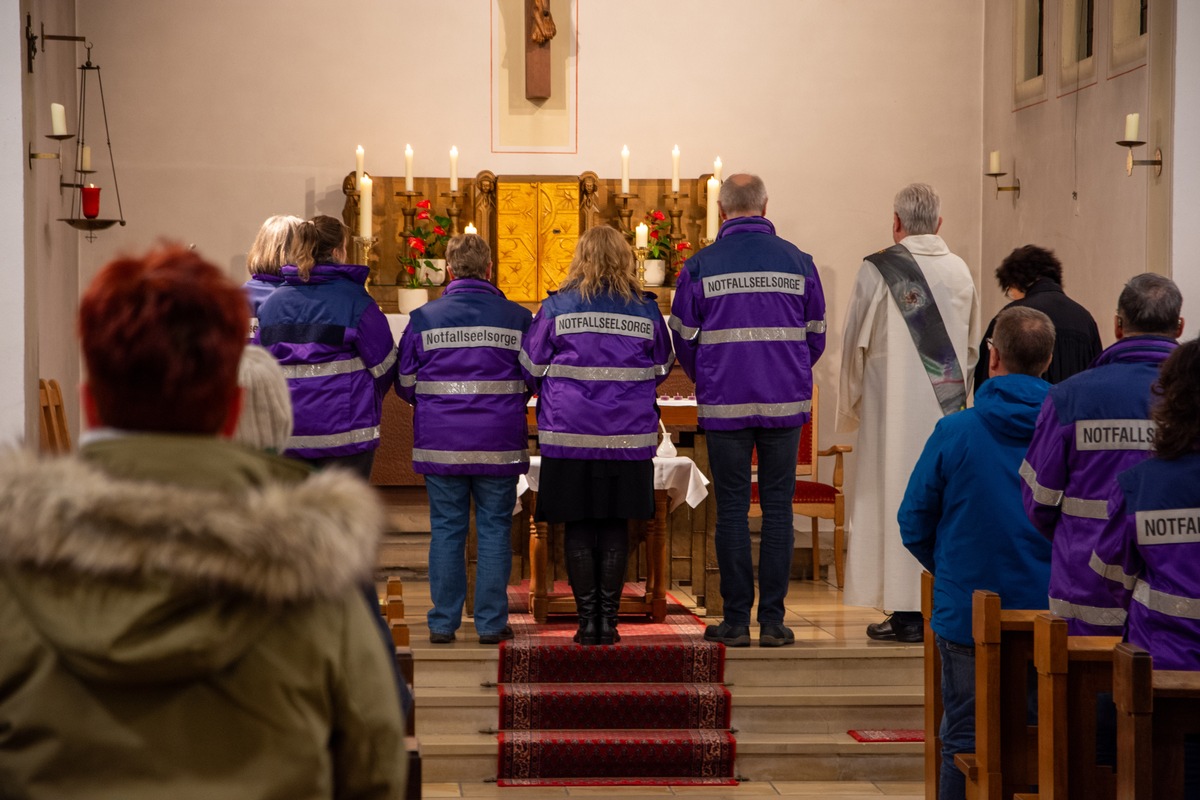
[1072, 671]
[1156, 709]
[393, 612]
[1005, 757]
[933, 694]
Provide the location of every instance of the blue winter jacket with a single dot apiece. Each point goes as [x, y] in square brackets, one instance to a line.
[258, 289]
[338, 355]
[459, 369]
[962, 516]
[748, 322]
[596, 365]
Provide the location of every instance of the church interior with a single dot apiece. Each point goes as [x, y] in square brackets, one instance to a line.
[213, 116]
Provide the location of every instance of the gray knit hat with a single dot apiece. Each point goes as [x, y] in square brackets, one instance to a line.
[266, 421]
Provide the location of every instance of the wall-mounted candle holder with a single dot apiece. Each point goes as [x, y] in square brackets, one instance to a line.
[1131, 162]
[1015, 186]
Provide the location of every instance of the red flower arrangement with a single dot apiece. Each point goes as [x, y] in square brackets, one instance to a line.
[424, 243]
[659, 241]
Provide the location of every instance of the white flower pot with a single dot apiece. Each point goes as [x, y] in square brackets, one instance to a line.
[655, 271]
[432, 271]
[411, 299]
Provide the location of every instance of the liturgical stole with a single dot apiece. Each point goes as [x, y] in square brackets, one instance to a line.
[911, 292]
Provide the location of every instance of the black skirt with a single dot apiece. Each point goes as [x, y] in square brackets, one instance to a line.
[571, 489]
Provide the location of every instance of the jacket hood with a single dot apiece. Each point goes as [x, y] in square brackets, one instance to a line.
[134, 578]
[1009, 404]
[324, 273]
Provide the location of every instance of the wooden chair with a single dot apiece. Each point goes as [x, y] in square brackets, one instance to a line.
[1156, 710]
[814, 499]
[56, 436]
[1005, 757]
[1072, 671]
[933, 694]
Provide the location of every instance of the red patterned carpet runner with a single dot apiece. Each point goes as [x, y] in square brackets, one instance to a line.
[650, 710]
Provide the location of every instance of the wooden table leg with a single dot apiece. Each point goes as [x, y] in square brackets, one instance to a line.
[539, 577]
[657, 558]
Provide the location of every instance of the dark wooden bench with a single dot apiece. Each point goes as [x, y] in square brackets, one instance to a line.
[393, 613]
[933, 694]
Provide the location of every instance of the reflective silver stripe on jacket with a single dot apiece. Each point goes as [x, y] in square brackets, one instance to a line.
[383, 366]
[601, 373]
[683, 330]
[1087, 509]
[665, 367]
[1170, 604]
[470, 387]
[748, 282]
[618, 442]
[334, 439]
[1047, 497]
[537, 370]
[497, 457]
[753, 335]
[1112, 572]
[1092, 615]
[815, 326]
[323, 370]
[407, 380]
[753, 410]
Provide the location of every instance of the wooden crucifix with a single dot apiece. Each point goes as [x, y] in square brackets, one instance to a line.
[539, 30]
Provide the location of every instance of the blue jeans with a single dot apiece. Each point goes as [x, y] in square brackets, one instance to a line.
[958, 714]
[449, 519]
[729, 455]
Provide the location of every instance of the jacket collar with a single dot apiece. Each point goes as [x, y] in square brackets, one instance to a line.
[732, 227]
[1043, 286]
[325, 273]
[1137, 349]
[925, 244]
[471, 285]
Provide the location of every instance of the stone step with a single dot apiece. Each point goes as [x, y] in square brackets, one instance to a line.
[820, 664]
[471, 758]
[405, 551]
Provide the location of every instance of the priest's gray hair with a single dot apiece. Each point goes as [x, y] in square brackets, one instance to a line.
[1024, 338]
[469, 256]
[1150, 303]
[743, 194]
[918, 207]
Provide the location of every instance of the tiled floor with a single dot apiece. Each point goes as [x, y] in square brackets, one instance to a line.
[816, 614]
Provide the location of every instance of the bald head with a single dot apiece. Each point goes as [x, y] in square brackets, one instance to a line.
[742, 195]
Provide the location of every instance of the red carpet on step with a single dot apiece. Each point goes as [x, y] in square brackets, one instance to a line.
[650, 710]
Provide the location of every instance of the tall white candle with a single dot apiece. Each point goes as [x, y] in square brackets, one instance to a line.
[364, 207]
[85, 160]
[624, 169]
[994, 162]
[675, 170]
[408, 173]
[454, 169]
[717, 169]
[470, 230]
[358, 165]
[1131, 127]
[714, 220]
[641, 235]
[58, 119]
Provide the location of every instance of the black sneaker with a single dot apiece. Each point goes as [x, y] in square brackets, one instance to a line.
[441, 638]
[775, 634]
[890, 631]
[728, 635]
[496, 638]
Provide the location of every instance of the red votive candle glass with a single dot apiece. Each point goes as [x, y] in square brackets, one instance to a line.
[91, 201]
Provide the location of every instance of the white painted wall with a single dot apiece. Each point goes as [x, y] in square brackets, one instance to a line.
[14, 397]
[1184, 163]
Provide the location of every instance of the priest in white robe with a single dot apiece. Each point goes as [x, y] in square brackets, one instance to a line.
[887, 394]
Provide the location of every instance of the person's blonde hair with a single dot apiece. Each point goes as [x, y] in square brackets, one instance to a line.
[603, 264]
[269, 252]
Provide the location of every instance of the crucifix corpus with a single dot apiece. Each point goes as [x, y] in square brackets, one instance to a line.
[539, 27]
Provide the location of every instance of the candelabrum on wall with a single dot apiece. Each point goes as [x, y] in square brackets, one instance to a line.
[1131, 141]
[994, 172]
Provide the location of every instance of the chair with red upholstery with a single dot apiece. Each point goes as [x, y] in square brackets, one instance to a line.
[814, 499]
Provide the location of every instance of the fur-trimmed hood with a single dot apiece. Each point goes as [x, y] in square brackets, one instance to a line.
[163, 556]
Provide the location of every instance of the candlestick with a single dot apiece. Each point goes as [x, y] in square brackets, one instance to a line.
[641, 235]
[714, 220]
[408, 173]
[624, 169]
[640, 254]
[364, 207]
[85, 160]
[675, 170]
[358, 165]
[1131, 127]
[454, 169]
[717, 169]
[470, 230]
[58, 119]
[994, 162]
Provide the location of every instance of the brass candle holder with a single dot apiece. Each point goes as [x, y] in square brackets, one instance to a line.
[640, 254]
[1015, 187]
[1131, 162]
[409, 210]
[362, 254]
[453, 210]
[625, 213]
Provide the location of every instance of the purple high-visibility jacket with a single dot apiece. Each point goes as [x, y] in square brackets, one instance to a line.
[1092, 426]
[596, 364]
[459, 369]
[337, 352]
[748, 321]
[1148, 553]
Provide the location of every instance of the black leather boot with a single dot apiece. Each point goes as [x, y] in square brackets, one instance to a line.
[581, 571]
[612, 581]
